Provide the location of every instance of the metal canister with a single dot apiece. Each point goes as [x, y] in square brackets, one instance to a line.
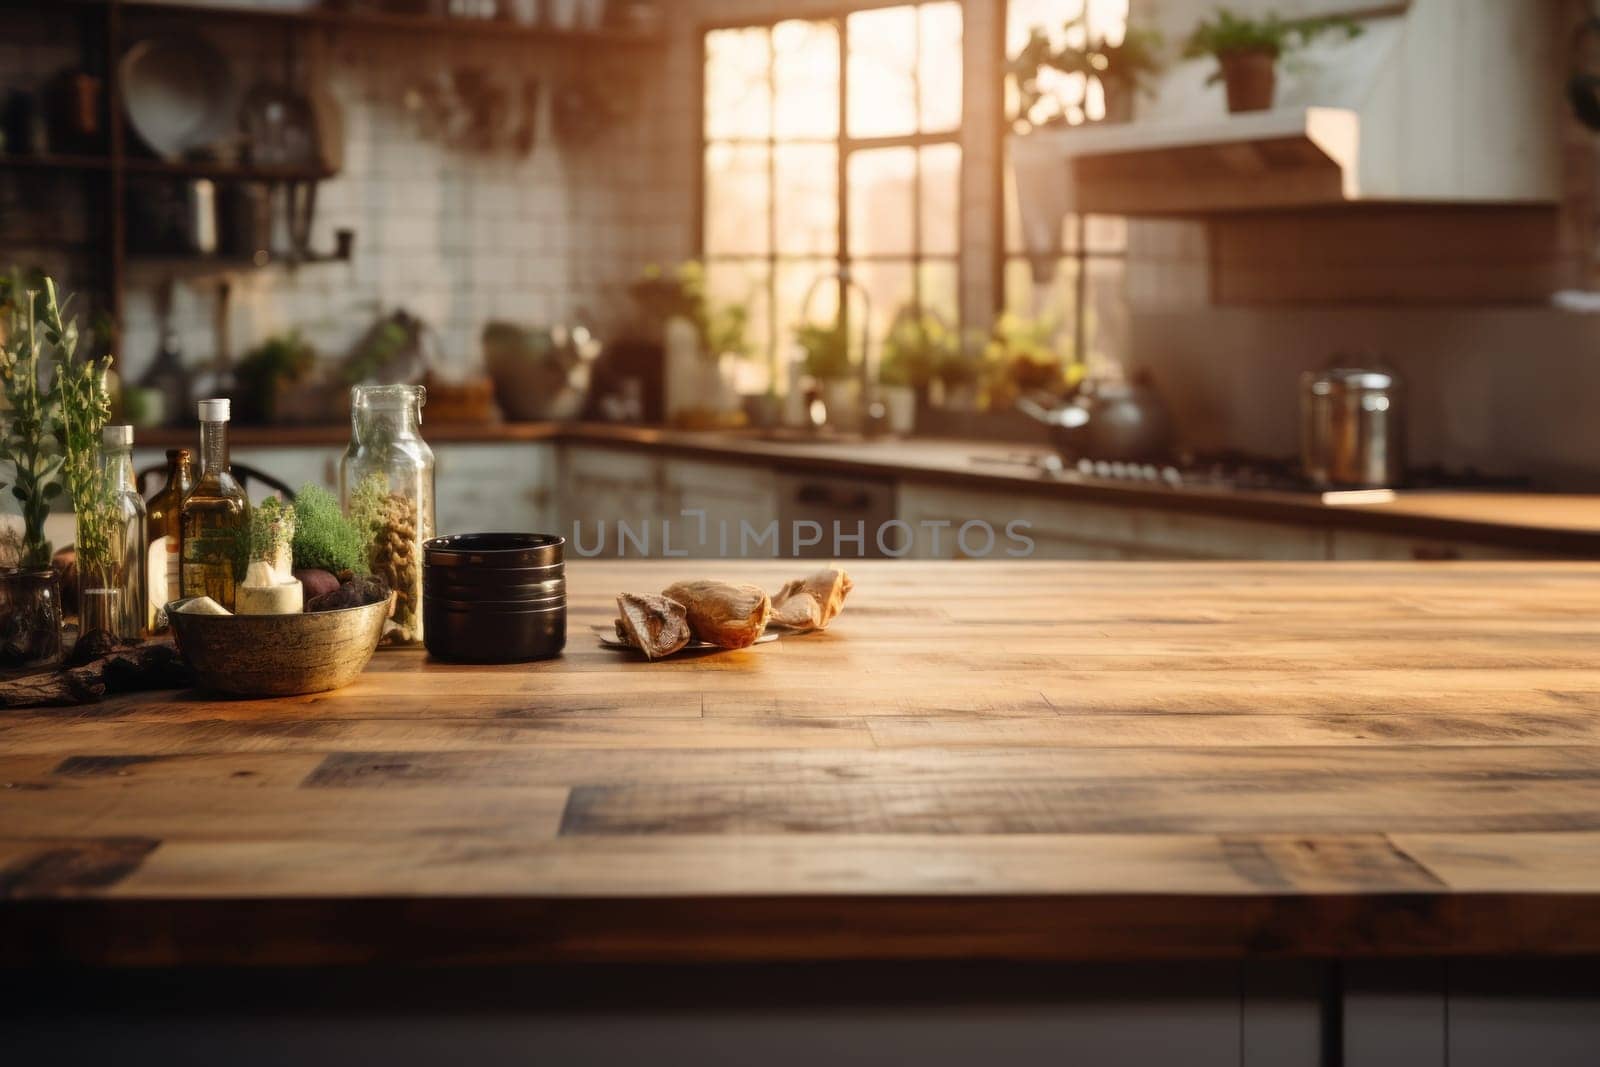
[1352, 427]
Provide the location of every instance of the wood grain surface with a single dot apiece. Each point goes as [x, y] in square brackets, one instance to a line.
[1024, 761]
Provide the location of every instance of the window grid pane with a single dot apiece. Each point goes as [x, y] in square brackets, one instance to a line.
[806, 81]
[1083, 299]
[882, 94]
[737, 183]
[738, 86]
[902, 199]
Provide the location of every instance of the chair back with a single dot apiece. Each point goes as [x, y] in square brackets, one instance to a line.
[248, 476]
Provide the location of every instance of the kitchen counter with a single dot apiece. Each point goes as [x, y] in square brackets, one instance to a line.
[1553, 524]
[979, 760]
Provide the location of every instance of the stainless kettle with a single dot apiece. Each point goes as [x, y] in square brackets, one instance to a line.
[1352, 427]
[1110, 420]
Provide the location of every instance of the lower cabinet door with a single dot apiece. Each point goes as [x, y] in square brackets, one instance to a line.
[495, 488]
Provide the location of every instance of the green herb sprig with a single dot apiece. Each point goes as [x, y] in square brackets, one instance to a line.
[272, 526]
[85, 407]
[30, 430]
[323, 538]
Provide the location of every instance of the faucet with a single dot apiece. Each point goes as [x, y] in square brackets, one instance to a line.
[874, 415]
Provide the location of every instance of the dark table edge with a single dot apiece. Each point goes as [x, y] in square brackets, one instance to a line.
[473, 931]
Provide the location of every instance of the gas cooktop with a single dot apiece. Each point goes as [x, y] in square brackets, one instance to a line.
[1238, 471]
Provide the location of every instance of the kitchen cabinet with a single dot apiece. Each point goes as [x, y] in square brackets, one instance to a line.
[495, 487]
[1059, 529]
[618, 504]
[736, 504]
[611, 501]
[828, 517]
[1479, 1013]
[597, 488]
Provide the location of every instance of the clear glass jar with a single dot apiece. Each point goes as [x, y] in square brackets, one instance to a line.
[386, 483]
[111, 540]
[30, 619]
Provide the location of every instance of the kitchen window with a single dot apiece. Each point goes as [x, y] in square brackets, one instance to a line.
[1078, 287]
[832, 145]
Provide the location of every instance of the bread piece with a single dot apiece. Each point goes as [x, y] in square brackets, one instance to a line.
[811, 603]
[654, 625]
[722, 613]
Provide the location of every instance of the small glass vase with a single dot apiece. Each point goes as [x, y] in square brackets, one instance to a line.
[30, 619]
[99, 611]
[111, 564]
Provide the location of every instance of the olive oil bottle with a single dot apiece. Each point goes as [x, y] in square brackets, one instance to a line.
[164, 530]
[215, 516]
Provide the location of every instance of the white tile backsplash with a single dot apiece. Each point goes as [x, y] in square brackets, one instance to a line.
[454, 235]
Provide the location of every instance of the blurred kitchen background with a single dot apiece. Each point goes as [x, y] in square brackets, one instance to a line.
[971, 246]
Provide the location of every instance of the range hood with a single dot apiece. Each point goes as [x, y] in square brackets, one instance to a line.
[1436, 102]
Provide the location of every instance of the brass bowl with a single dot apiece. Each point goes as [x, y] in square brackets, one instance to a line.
[278, 655]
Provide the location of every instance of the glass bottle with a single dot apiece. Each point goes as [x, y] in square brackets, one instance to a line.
[163, 531]
[168, 377]
[386, 482]
[215, 519]
[111, 546]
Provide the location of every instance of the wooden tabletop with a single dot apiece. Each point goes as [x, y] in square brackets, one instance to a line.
[1004, 760]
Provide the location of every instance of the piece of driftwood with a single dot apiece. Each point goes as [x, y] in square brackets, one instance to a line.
[99, 670]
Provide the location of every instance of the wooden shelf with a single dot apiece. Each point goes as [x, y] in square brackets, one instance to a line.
[225, 171]
[390, 22]
[170, 168]
[107, 27]
[1304, 157]
[53, 161]
[204, 265]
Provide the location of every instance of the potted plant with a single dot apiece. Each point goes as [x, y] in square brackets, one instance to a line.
[958, 373]
[1247, 51]
[30, 592]
[1020, 358]
[268, 375]
[1122, 70]
[701, 340]
[827, 362]
[917, 343]
[1025, 69]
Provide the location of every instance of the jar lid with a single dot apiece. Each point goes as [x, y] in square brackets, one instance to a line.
[215, 410]
[117, 436]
